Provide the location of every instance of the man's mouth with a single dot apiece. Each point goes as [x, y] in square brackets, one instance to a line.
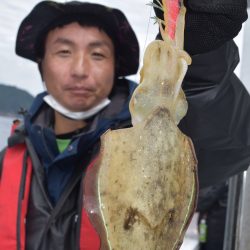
[80, 92]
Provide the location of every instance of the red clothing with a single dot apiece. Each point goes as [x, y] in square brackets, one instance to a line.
[14, 196]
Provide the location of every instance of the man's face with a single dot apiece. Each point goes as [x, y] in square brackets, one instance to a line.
[78, 66]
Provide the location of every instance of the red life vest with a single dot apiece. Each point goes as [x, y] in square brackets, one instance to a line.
[14, 196]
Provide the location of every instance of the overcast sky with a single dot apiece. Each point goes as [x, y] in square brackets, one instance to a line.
[23, 73]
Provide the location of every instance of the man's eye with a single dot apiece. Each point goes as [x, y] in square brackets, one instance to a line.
[63, 52]
[98, 55]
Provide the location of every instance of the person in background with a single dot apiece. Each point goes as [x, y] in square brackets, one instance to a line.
[84, 51]
[218, 117]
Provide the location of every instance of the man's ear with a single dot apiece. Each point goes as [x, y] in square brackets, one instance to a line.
[39, 64]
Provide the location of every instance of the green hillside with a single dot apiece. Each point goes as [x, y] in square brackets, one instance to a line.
[13, 99]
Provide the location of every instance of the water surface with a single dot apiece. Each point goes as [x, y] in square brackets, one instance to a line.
[5, 128]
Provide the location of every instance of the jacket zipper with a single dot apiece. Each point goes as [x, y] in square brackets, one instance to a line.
[46, 147]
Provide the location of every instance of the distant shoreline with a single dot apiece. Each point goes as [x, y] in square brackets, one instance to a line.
[11, 115]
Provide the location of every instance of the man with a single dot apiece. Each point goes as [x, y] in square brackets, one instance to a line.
[83, 51]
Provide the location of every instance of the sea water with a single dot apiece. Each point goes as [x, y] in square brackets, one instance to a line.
[5, 128]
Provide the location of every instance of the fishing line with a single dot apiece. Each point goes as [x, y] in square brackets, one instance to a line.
[147, 31]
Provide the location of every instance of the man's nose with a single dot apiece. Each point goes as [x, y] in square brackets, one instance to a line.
[80, 66]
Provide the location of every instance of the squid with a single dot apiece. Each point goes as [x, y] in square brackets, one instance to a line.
[141, 192]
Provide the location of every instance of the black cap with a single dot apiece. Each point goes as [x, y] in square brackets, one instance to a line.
[46, 13]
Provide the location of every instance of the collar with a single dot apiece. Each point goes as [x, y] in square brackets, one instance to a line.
[39, 121]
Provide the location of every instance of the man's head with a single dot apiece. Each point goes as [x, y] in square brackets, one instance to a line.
[78, 66]
[80, 48]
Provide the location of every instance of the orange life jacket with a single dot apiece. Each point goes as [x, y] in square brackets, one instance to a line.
[14, 195]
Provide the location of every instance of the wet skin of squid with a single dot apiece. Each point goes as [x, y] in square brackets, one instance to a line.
[141, 192]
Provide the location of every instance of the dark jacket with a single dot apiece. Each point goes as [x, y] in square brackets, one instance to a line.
[218, 118]
[53, 217]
